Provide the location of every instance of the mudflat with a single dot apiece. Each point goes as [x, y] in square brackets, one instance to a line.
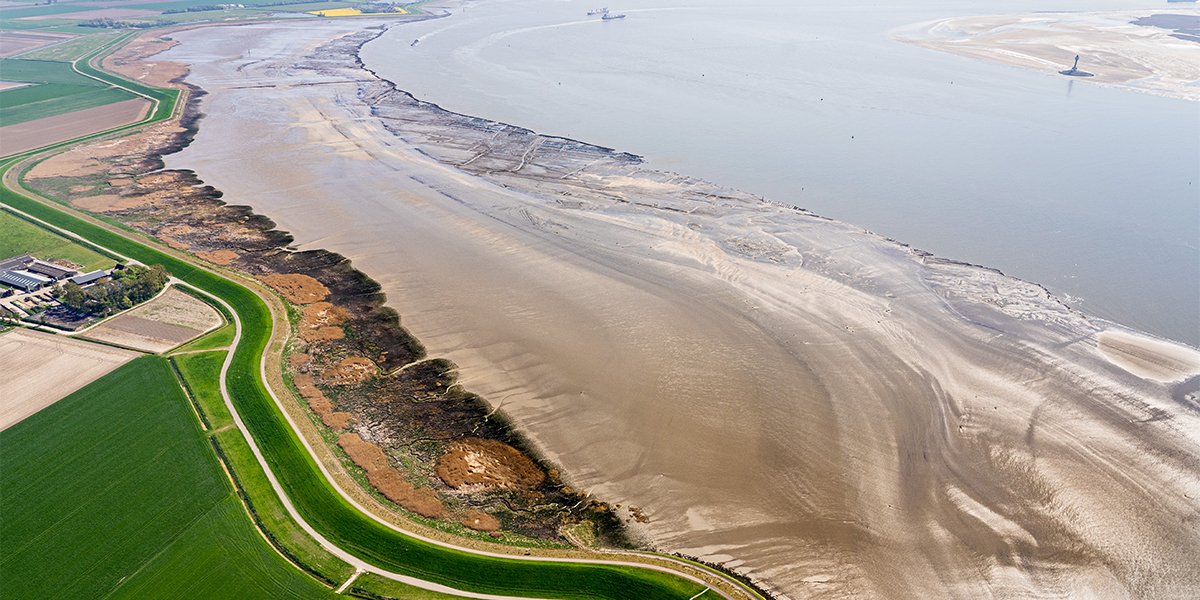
[831, 412]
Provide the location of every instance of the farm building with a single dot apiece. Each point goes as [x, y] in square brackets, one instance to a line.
[50, 270]
[23, 280]
[87, 278]
[16, 262]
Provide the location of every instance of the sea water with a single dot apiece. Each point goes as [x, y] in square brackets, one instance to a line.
[1093, 192]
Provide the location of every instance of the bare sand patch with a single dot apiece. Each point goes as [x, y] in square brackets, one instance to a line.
[321, 322]
[1117, 52]
[159, 325]
[130, 61]
[480, 463]
[296, 288]
[60, 128]
[320, 404]
[348, 371]
[110, 202]
[86, 160]
[41, 369]
[1147, 357]
[388, 480]
[218, 257]
[364, 454]
[391, 484]
[174, 307]
[479, 521]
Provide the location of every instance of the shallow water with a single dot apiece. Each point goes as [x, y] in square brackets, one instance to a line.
[1092, 192]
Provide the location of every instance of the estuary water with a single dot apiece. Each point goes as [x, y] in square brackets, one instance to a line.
[1090, 191]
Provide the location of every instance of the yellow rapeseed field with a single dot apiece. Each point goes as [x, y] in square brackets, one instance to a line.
[353, 12]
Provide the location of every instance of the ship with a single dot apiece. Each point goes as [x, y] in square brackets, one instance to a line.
[612, 17]
[598, 11]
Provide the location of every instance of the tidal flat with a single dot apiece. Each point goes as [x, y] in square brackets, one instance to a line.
[829, 411]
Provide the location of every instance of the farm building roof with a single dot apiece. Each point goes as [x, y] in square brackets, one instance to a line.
[87, 278]
[23, 279]
[50, 270]
[16, 262]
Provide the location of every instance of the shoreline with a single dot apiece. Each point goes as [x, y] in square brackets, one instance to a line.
[599, 196]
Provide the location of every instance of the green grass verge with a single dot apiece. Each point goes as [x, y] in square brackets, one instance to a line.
[202, 374]
[18, 236]
[220, 337]
[372, 585]
[269, 511]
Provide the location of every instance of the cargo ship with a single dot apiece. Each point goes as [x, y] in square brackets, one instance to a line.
[612, 17]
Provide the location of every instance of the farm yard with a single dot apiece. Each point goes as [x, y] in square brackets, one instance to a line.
[160, 324]
[42, 368]
[119, 495]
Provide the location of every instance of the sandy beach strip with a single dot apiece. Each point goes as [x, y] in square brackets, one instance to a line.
[1114, 49]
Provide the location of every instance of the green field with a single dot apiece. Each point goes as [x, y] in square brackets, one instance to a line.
[18, 236]
[107, 491]
[60, 90]
[72, 50]
[202, 372]
[220, 337]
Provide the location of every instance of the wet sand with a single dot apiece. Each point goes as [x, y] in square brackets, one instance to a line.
[1118, 52]
[829, 411]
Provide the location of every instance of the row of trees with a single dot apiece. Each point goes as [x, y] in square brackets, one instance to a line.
[126, 288]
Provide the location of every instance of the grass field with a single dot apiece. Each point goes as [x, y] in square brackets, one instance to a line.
[220, 337]
[109, 493]
[60, 91]
[18, 236]
[202, 372]
[74, 49]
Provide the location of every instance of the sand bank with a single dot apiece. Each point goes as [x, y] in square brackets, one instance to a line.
[832, 412]
[1141, 57]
